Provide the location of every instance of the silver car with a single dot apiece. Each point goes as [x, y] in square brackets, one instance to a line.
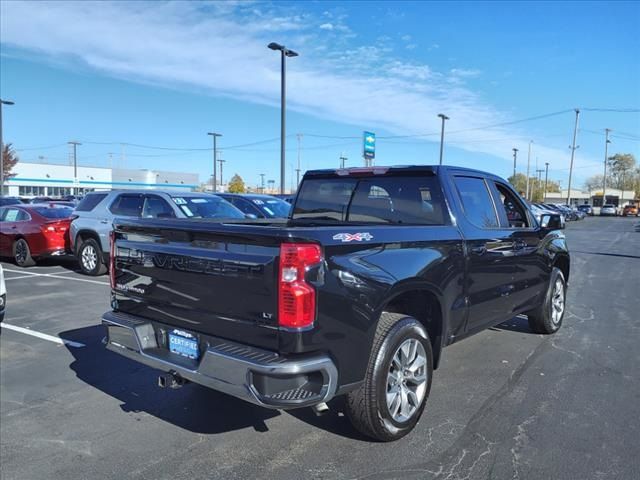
[608, 209]
[90, 229]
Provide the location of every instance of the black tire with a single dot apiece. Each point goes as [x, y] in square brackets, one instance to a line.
[90, 258]
[545, 319]
[22, 253]
[367, 406]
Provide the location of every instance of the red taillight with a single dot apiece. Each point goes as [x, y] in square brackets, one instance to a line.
[297, 299]
[112, 258]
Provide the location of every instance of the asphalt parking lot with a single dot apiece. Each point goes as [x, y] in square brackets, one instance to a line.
[505, 403]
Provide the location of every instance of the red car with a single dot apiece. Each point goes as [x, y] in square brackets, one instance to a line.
[29, 232]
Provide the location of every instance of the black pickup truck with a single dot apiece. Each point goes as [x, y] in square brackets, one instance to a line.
[356, 293]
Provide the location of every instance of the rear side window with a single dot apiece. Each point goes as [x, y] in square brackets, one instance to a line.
[156, 207]
[89, 202]
[127, 205]
[476, 201]
[394, 200]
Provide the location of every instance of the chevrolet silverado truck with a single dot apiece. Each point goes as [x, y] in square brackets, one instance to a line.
[375, 271]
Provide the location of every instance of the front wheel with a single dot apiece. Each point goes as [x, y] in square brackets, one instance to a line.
[90, 258]
[548, 317]
[22, 253]
[398, 379]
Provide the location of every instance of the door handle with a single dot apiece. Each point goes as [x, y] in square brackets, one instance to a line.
[479, 250]
[104, 221]
[14, 227]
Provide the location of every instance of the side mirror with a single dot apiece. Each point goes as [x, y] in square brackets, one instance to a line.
[551, 221]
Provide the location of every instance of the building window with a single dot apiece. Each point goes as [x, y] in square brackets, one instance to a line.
[31, 191]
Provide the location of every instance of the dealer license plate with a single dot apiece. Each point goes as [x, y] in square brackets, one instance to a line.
[183, 343]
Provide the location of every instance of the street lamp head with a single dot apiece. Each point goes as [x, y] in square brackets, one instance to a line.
[290, 53]
[213, 134]
[275, 46]
[443, 116]
[6, 102]
[515, 149]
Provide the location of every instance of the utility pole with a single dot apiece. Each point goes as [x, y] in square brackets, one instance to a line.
[606, 155]
[528, 167]
[284, 53]
[299, 136]
[546, 178]
[221, 161]
[443, 117]
[539, 179]
[515, 157]
[2, 102]
[573, 153]
[262, 182]
[624, 174]
[122, 156]
[343, 160]
[74, 145]
[110, 159]
[215, 136]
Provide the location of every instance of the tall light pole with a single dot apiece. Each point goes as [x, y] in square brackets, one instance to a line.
[443, 117]
[546, 178]
[2, 102]
[262, 182]
[606, 154]
[515, 158]
[573, 153]
[74, 144]
[284, 53]
[299, 136]
[528, 167]
[214, 182]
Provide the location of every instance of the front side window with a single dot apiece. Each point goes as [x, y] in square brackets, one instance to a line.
[476, 201]
[207, 207]
[516, 216]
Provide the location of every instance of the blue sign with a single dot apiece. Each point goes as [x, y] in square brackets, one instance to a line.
[369, 144]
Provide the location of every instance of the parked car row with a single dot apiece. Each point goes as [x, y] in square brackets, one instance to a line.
[35, 231]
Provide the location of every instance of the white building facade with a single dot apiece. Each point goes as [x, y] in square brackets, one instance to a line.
[43, 179]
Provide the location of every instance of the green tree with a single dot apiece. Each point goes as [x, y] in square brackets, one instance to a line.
[9, 160]
[536, 187]
[236, 184]
[621, 169]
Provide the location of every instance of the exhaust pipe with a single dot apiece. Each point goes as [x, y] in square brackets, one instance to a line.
[171, 380]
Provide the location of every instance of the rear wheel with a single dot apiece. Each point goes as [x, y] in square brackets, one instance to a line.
[22, 253]
[398, 379]
[90, 258]
[548, 317]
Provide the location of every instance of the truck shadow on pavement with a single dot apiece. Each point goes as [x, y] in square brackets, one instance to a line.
[192, 407]
[519, 324]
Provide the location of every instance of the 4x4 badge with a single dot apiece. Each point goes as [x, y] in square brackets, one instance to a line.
[350, 237]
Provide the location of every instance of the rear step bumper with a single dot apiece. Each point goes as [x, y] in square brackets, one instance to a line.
[252, 374]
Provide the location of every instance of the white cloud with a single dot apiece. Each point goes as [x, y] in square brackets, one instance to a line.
[411, 46]
[465, 72]
[406, 38]
[213, 47]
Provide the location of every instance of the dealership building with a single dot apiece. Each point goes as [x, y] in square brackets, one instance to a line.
[44, 179]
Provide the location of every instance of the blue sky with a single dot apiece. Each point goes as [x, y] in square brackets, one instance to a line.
[163, 74]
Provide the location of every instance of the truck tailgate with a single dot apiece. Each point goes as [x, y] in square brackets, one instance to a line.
[200, 276]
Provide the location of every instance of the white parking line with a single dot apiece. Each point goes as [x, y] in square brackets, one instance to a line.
[52, 275]
[41, 335]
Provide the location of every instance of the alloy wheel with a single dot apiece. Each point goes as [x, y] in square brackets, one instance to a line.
[406, 380]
